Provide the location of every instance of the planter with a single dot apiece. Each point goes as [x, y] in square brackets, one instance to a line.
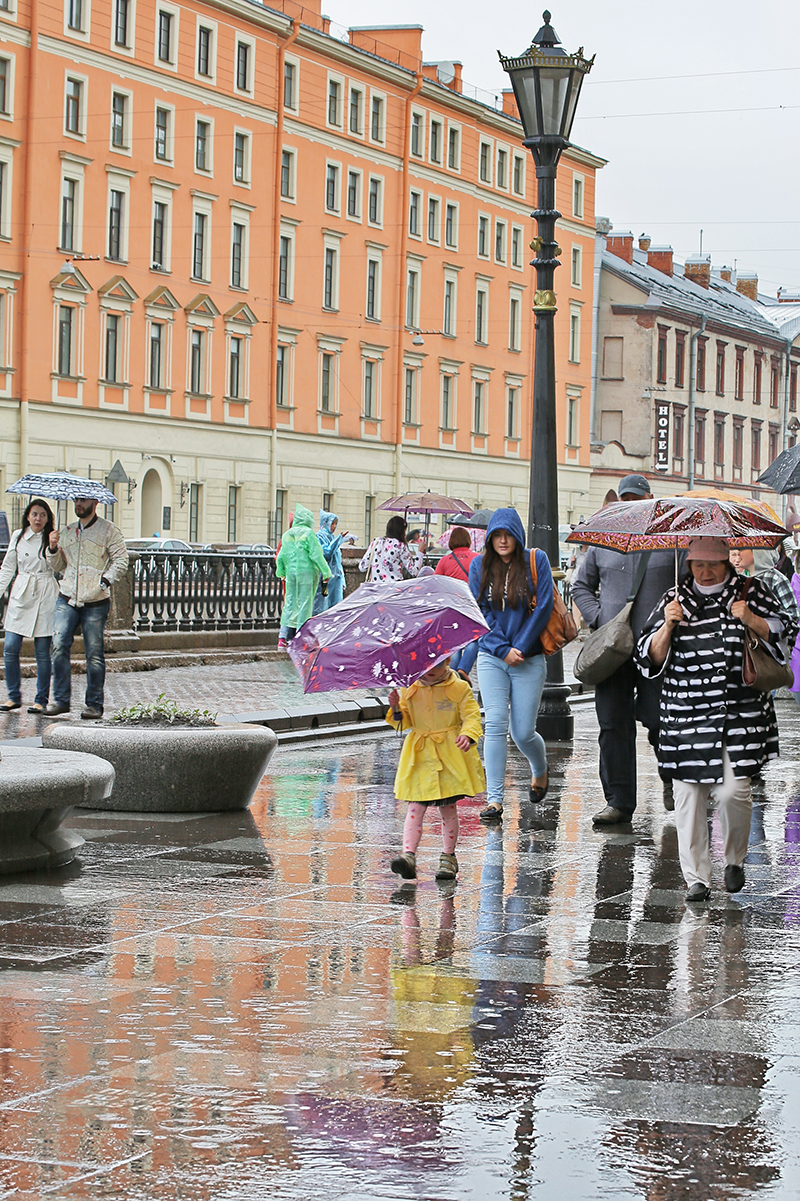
[38, 789]
[184, 769]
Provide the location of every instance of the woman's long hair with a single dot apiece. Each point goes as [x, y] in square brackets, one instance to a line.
[504, 585]
[49, 527]
[396, 528]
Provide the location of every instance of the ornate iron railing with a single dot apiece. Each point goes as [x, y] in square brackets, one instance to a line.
[204, 591]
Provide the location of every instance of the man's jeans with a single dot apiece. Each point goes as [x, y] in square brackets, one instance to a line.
[41, 648]
[92, 621]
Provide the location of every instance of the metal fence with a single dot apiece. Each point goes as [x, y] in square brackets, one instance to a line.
[204, 591]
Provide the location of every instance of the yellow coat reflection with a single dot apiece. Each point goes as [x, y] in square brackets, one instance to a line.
[431, 766]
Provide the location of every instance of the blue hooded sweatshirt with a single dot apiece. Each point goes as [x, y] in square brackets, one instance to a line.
[330, 543]
[514, 627]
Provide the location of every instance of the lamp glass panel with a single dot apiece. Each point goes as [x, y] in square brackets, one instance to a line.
[574, 92]
[554, 84]
[523, 80]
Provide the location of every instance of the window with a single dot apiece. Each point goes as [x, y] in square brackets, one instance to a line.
[289, 77]
[500, 241]
[612, 358]
[327, 501]
[326, 384]
[330, 288]
[577, 266]
[413, 214]
[115, 217]
[433, 219]
[436, 142]
[774, 386]
[368, 519]
[332, 188]
[516, 246]
[774, 434]
[119, 105]
[512, 409]
[155, 372]
[283, 268]
[159, 234]
[376, 119]
[353, 194]
[281, 367]
[410, 394]
[661, 361]
[755, 446]
[373, 289]
[334, 102]
[4, 85]
[453, 148]
[478, 400]
[112, 346]
[678, 424]
[199, 246]
[287, 174]
[519, 175]
[69, 190]
[719, 439]
[485, 163]
[449, 320]
[162, 133]
[514, 323]
[738, 378]
[202, 146]
[575, 336]
[370, 372]
[481, 313]
[572, 421]
[243, 68]
[757, 369]
[241, 155]
[235, 369]
[164, 36]
[738, 445]
[194, 512]
[74, 14]
[73, 114]
[501, 176]
[233, 495]
[447, 402]
[237, 253]
[793, 389]
[451, 226]
[65, 325]
[577, 195]
[356, 111]
[412, 298]
[483, 237]
[701, 365]
[720, 377]
[699, 443]
[196, 362]
[375, 201]
[204, 49]
[680, 358]
[121, 22]
[416, 134]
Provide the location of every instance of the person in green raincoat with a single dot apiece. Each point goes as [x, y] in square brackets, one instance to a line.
[300, 562]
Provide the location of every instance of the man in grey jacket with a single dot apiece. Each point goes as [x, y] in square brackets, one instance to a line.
[601, 588]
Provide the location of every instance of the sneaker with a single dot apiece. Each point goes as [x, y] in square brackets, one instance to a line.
[405, 865]
[54, 709]
[448, 867]
[91, 712]
[282, 644]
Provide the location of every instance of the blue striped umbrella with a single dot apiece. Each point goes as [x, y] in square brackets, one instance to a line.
[59, 485]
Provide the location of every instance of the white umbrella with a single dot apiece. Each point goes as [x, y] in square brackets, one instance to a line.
[59, 485]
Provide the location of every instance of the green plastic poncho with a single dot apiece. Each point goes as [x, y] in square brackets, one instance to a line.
[300, 562]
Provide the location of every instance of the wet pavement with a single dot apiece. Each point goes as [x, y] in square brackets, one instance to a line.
[246, 1006]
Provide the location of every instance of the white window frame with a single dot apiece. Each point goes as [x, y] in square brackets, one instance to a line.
[208, 171]
[205, 205]
[78, 135]
[295, 105]
[578, 194]
[501, 230]
[518, 158]
[170, 110]
[337, 166]
[374, 255]
[484, 223]
[512, 439]
[205, 22]
[573, 405]
[83, 34]
[288, 230]
[574, 355]
[156, 316]
[362, 93]
[73, 167]
[501, 148]
[171, 65]
[239, 326]
[482, 289]
[127, 122]
[357, 216]
[449, 369]
[380, 96]
[380, 181]
[240, 215]
[576, 265]
[514, 324]
[436, 240]
[287, 341]
[129, 49]
[517, 232]
[450, 328]
[416, 234]
[291, 198]
[412, 363]
[489, 144]
[248, 157]
[119, 180]
[421, 125]
[413, 267]
[7, 114]
[332, 240]
[243, 40]
[451, 204]
[456, 128]
[327, 344]
[162, 191]
[333, 77]
[439, 121]
[7, 159]
[480, 379]
[374, 355]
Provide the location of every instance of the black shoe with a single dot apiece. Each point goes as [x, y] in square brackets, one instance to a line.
[10, 706]
[91, 713]
[492, 814]
[54, 709]
[734, 877]
[611, 817]
[669, 797]
[698, 892]
[537, 793]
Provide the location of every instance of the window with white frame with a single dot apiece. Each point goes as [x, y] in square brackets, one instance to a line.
[65, 340]
[410, 395]
[238, 252]
[282, 376]
[6, 86]
[375, 201]
[482, 314]
[163, 134]
[574, 335]
[479, 389]
[448, 402]
[577, 195]
[412, 295]
[201, 239]
[233, 512]
[197, 361]
[514, 321]
[160, 240]
[123, 23]
[512, 411]
[355, 111]
[156, 348]
[117, 224]
[74, 14]
[235, 380]
[328, 382]
[111, 362]
[330, 274]
[5, 204]
[332, 173]
[454, 147]
[484, 234]
[69, 217]
[485, 162]
[434, 219]
[291, 72]
[120, 120]
[354, 195]
[373, 306]
[518, 175]
[517, 234]
[370, 388]
[573, 427]
[501, 170]
[415, 204]
[500, 234]
[417, 134]
[74, 106]
[288, 174]
[577, 266]
[205, 58]
[286, 263]
[203, 147]
[334, 104]
[245, 54]
[435, 141]
[241, 157]
[377, 119]
[167, 20]
[451, 226]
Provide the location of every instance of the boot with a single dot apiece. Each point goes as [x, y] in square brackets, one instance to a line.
[448, 867]
[405, 865]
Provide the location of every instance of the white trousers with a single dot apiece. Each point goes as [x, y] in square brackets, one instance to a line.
[733, 801]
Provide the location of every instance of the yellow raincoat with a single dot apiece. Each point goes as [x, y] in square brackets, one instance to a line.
[431, 766]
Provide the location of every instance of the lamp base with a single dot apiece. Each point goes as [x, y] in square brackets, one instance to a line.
[555, 722]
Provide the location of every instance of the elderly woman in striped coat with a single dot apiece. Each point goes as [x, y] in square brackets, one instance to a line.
[716, 733]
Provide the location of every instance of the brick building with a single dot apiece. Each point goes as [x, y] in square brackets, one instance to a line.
[221, 228]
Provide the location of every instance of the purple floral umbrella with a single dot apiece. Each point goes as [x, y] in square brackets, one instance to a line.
[386, 634]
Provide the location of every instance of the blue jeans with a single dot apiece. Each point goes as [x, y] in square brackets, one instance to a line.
[41, 648]
[335, 594]
[92, 623]
[515, 693]
[464, 660]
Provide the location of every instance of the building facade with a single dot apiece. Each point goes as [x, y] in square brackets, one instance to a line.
[221, 231]
[696, 372]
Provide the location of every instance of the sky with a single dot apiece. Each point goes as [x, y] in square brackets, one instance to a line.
[696, 106]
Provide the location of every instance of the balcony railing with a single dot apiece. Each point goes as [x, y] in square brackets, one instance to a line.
[204, 591]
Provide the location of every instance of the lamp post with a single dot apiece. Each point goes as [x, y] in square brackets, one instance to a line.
[547, 83]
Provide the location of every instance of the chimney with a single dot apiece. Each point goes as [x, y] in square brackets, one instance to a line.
[787, 297]
[698, 270]
[644, 242]
[510, 103]
[747, 284]
[726, 274]
[621, 245]
[660, 258]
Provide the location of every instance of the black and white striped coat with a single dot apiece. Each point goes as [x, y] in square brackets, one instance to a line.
[704, 702]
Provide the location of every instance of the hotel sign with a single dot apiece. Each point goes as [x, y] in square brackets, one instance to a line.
[662, 436]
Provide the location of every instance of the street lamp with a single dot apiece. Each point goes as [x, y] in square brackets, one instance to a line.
[547, 83]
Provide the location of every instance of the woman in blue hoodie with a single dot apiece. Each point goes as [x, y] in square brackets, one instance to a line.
[511, 665]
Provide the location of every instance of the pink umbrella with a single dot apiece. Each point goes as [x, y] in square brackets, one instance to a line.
[426, 502]
[477, 537]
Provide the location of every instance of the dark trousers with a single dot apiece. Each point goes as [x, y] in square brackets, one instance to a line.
[620, 701]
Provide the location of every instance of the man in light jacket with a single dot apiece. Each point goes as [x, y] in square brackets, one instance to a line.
[92, 556]
[600, 588]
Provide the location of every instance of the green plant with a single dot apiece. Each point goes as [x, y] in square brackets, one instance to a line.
[163, 712]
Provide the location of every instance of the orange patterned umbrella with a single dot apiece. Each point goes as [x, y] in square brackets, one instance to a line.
[733, 498]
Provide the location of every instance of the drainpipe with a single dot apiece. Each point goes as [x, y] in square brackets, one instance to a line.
[692, 387]
[27, 281]
[401, 286]
[276, 249]
[785, 420]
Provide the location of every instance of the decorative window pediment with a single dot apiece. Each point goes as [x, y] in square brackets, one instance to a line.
[162, 299]
[117, 291]
[71, 283]
[242, 313]
[202, 306]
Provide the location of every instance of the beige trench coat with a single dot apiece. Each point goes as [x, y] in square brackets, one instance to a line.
[32, 603]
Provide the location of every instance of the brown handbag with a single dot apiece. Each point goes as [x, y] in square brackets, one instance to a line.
[760, 669]
[561, 627]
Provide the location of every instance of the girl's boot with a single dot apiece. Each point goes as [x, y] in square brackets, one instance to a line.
[405, 865]
[448, 867]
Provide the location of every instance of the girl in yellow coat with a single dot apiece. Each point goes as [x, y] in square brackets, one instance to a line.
[439, 763]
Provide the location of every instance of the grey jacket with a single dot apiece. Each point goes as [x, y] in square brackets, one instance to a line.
[602, 584]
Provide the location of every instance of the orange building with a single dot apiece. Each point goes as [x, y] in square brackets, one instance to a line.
[221, 229]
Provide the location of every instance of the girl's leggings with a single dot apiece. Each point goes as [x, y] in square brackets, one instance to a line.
[412, 830]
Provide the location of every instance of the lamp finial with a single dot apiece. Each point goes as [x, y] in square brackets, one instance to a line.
[547, 36]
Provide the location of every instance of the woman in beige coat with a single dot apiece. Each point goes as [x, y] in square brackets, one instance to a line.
[31, 605]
